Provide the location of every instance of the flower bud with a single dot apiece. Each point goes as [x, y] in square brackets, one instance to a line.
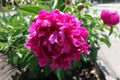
[80, 7]
[67, 2]
[110, 17]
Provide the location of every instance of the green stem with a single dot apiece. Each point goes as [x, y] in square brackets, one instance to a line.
[111, 30]
[65, 8]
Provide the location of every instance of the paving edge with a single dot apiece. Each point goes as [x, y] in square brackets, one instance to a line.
[104, 71]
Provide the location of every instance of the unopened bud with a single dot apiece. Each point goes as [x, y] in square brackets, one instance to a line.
[80, 7]
[68, 2]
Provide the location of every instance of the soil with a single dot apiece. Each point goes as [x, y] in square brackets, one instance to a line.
[7, 72]
[87, 72]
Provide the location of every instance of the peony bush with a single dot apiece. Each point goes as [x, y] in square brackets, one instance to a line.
[58, 39]
[61, 35]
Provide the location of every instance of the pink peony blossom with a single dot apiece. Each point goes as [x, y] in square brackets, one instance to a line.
[110, 17]
[57, 38]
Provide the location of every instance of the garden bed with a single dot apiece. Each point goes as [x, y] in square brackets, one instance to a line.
[97, 71]
[87, 72]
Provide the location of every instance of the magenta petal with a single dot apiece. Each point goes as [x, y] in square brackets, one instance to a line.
[84, 32]
[43, 12]
[27, 45]
[52, 65]
[31, 35]
[53, 37]
[66, 47]
[67, 64]
[32, 27]
[42, 59]
[78, 24]
[55, 63]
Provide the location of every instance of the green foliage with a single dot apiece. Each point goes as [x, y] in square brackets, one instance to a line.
[13, 31]
[59, 4]
[30, 9]
[59, 73]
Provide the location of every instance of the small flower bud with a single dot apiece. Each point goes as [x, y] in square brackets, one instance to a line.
[67, 2]
[110, 17]
[80, 7]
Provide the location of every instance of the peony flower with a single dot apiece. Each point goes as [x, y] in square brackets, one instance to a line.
[110, 17]
[57, 38]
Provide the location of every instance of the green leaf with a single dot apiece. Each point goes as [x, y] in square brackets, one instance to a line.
[30, 9]
[59, 73]
[74, 64]
[19, 54]
[88, 4]
[17, 28]
[68, 72]
[3, 36]
[14, 58]
[26, 58]
[79, 64]
[33, 68]
[106, 41]
[3, 44]
[59, 4]
[47, 70]
[93, 54]
[17, 33]
[84, 57]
